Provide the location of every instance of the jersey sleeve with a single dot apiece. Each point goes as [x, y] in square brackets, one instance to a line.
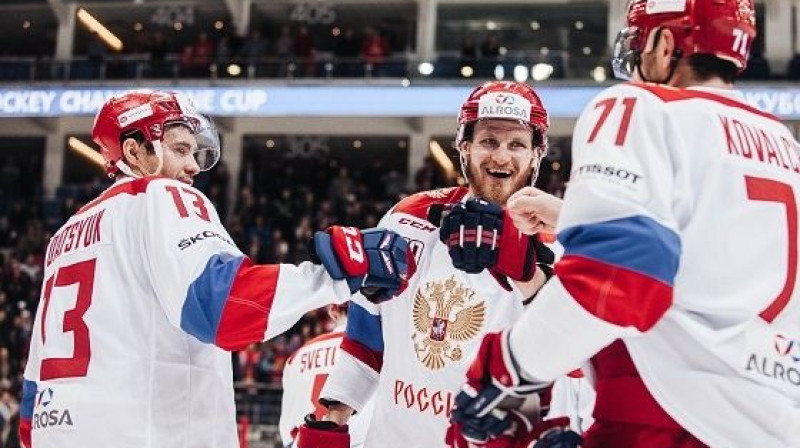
[358, 365]
[207, 286]
[619, 233]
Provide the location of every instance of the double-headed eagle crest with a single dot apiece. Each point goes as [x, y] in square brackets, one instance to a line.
[445, 315]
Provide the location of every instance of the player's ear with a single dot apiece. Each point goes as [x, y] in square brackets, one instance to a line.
[132, 150]
[135, 155]
[664, 48]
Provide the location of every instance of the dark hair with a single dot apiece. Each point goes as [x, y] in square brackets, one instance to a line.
[139, 137]
[707, 66]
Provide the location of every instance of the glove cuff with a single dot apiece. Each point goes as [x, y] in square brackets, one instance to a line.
[319, 433]
[516, 255]
[323, 253]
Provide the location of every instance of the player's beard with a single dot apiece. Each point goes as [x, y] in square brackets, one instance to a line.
[497, 191]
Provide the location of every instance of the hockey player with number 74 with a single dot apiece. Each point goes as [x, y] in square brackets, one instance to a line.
[145, 293]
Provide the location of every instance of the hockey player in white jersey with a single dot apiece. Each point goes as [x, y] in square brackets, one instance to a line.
[680, 230]
[412, 355]
[304, 375]
[144, 292]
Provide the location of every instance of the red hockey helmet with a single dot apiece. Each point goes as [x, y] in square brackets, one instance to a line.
[149, 111]
[723, 28]
[504, 100]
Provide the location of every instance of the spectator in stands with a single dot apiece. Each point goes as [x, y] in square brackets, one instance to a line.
[469, 51]
[304, 51]
[346, 50]
[159, 48]
[96, 50]
[9, 418]
[283, 48]
[490, 47]
[255, 48]
[223, 54]
[202, 54]
[374, 50]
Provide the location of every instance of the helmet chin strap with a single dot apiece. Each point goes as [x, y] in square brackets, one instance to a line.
[159, 150]
[464, 164]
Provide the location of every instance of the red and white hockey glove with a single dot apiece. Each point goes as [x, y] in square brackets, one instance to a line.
[321, 434]
[480, 235]
[376, 261]
[492, 378]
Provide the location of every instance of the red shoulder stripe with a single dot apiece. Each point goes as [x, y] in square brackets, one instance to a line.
[417, 204]
[669, 94]
[133, 188]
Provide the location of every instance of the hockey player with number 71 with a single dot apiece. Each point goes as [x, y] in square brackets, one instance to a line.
[689, 318]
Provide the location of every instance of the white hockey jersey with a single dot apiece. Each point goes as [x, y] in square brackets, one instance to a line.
[680, 234]
[413, 351]
[304, 375]
[143, 290]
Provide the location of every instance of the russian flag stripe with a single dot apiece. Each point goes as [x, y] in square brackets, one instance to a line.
[28, 399]
[246, 312]
[364, 327]
[622, 270]
[636, 243]
[29, 390]
[614, 294]
[207, 296]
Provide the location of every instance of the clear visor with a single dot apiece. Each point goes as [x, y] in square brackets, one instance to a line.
[626, 55]
[208, 147]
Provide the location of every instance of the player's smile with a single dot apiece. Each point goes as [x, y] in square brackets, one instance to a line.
[499, 173]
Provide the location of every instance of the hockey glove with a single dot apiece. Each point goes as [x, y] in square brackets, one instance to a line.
[553, 433]
[480, 235]
[492, 378]
[321, 434]
[505, 429]
[376, 261]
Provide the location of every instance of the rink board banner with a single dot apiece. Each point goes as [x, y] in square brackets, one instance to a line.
[339, 101]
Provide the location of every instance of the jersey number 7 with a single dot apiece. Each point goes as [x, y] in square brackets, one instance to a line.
[761, 189]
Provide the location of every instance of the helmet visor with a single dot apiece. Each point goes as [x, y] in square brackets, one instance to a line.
[207, 153]
[626, 55]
